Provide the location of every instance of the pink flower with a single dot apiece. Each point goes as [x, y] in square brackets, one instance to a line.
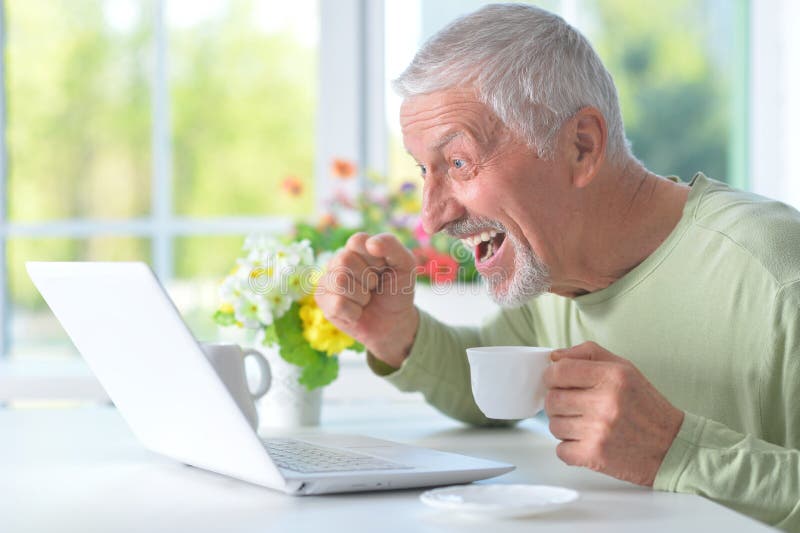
[419, 232]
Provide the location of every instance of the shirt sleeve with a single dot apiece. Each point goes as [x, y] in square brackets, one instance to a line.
[739, 471]
[755, 475]
[437, 364]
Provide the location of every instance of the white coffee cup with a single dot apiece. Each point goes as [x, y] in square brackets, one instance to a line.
[507, 380]
[229, 362]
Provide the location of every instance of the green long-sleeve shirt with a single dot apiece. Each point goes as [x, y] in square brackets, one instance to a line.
[712, 318]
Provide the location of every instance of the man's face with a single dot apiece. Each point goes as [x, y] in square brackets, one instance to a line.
[484, 185]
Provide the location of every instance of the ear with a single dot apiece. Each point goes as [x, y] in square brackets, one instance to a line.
[587, 152]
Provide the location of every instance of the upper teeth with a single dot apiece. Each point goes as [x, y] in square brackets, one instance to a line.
[476, 239]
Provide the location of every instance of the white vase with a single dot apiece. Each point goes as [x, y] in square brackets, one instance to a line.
[287, 404]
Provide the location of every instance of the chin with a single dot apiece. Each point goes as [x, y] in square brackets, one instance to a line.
[530, 279]
[511, 294]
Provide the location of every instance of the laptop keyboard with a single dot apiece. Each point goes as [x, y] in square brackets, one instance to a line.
[305, 457]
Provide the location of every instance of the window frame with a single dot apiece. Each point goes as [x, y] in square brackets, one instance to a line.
[350, 124]
[351, 33]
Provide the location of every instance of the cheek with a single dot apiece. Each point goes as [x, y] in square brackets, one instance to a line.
[488, 196]
[478, 198]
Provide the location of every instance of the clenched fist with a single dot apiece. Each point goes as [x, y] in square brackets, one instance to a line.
[368, 292]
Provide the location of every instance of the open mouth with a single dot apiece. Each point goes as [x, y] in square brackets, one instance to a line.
[485, 244]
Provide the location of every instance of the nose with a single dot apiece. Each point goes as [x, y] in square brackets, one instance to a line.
[439, 205]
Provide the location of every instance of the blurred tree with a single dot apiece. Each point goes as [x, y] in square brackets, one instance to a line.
[78, 128]
[243, 103]
[243, 109]
[674, 93]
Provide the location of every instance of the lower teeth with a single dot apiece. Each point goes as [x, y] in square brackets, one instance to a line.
[489, 251]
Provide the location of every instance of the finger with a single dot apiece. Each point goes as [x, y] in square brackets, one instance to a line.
[569, 402]
[574, 373]
[341, 284]
[388, 247]
[571, 452]
[567, 427]
[357, 243]
[589, 351]
[354, 265]
[339, 308]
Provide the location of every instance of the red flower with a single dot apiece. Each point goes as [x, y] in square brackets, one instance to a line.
[343, 169]
[439, 267]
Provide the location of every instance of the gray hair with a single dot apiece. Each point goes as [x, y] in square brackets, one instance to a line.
[528, 65]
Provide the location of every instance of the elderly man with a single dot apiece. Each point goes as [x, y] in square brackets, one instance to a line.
[675, 304]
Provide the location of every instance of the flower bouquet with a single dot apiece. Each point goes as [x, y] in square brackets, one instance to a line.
[386, 208]
[271, 292]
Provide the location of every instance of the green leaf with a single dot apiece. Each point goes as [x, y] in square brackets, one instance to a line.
[358, 347]
[318, 369]
[270, 336]
[294, 347]
[224, 318]
[321, 372]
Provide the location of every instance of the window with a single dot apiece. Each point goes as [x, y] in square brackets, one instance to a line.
[150, 130]
[160, 130]
[680, 67]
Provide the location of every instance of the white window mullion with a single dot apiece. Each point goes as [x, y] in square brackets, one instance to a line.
[774, 111]
[5, 296]
[766, 125]
[350, 116]
[161, 189]
[374, 85]
[791, 89]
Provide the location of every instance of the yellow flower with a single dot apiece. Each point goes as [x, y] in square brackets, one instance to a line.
[226, 308]
[410, 204]
[319, 332]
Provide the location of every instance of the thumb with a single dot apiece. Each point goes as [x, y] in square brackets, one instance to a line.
[390, 248]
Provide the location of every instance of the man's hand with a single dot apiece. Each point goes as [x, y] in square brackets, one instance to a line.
[368, 292]
[609, 417]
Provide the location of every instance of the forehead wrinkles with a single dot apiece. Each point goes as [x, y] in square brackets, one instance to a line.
[472, 117]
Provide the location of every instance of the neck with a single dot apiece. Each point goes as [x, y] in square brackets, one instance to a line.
[625, 214]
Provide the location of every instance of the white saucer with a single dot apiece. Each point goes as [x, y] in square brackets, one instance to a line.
[500, 500]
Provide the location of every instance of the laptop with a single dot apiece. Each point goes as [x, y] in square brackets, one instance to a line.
[126, 327]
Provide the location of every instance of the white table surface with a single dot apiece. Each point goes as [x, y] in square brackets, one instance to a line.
[82, 470]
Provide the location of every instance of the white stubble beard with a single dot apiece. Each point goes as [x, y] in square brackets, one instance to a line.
[530, 278]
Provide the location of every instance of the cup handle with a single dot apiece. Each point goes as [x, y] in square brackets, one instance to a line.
[264, 372]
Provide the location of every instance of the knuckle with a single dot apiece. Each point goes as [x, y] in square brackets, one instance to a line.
[548, 378]
[385, 238]
[557, 370]
[551, 400]
[370, 276]
[612, 412]
[619, 376]
[342, 283]
[349, 261]
[604, 433]
[340, 307]
[356, 240]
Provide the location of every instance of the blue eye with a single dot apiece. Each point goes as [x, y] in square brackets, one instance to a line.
[459, 163]
[422, 170]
